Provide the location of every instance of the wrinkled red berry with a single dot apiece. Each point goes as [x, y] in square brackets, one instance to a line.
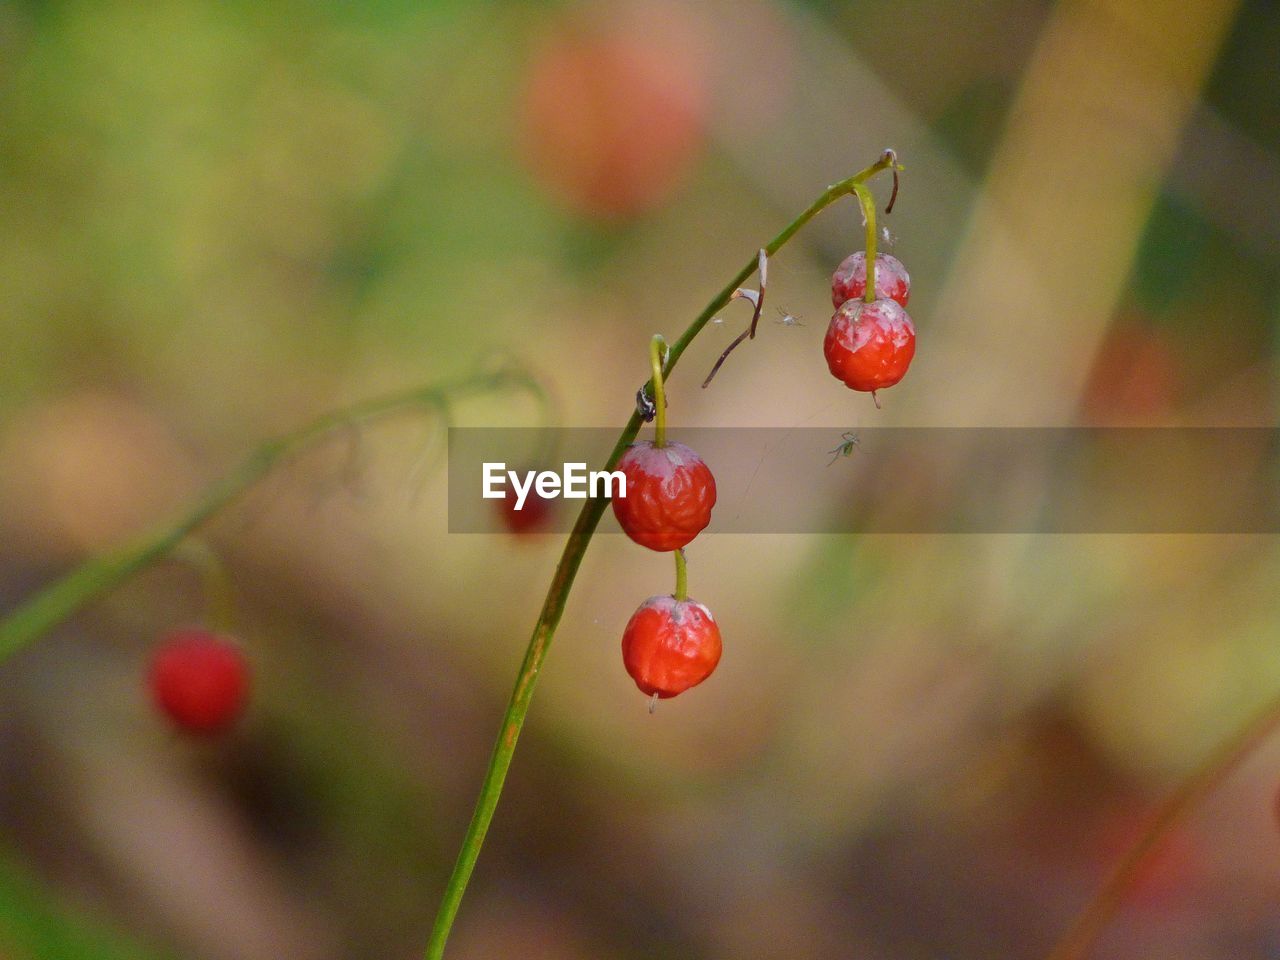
[200, 680]
[670, 645]
[670, 493]
[869, 345]
[849, 282]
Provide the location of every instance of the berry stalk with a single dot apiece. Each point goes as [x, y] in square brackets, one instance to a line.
[214, 581]
[682, 576]
[571, 559]
[868, 204]
[656, 347]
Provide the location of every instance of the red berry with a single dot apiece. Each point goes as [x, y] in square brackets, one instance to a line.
[613, 114]
[532, 517]
[849, 282]
[1135, 380]
[670, 645]
[200, 680]
[670, 493]
[869, 345]
[1168, 870]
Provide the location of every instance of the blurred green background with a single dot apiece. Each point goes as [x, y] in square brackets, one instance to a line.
[220, 219]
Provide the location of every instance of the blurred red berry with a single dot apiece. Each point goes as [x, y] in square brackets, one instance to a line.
[849, 282]
[613, 112]
[869, 345]
[670, 645]
[1168, 871]
[200, 680]
[1135, 378]
[670, 493]
[533, 516]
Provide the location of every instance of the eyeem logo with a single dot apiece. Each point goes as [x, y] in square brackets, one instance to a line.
[575, 483]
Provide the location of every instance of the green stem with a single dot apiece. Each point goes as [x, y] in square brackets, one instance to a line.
[868, 204]
[1088, 926]
[571, 559]
[682, 576]
[218, 596]
[656, 346]
[99, 575]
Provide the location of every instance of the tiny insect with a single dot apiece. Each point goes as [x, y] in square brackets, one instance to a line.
[889, 238]
[849, 441]
[788, 319]
[718, 321]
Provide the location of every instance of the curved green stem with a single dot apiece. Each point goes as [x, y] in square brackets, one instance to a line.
[656, 346]
[214, 580]
[868, 205]
[99, 575]
[1088, 926]
[571, 559]
[682, 576]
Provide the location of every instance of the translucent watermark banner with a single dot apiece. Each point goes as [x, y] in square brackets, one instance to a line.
[896, 479]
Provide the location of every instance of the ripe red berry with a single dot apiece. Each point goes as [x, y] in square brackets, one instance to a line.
[670, 645]
[849, 282]
[670, 493]
[200, 680]
[869, 345]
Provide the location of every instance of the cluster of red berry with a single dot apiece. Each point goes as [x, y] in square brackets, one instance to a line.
[671, 642]
[871, 340]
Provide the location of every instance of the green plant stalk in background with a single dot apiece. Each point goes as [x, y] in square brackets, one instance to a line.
[34, 927]
[571, 558]
[1083, 934]
[99, 575]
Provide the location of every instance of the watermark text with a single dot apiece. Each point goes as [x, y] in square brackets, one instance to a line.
[575, 482]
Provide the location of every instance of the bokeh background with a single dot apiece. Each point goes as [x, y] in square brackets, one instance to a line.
[219, 219]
